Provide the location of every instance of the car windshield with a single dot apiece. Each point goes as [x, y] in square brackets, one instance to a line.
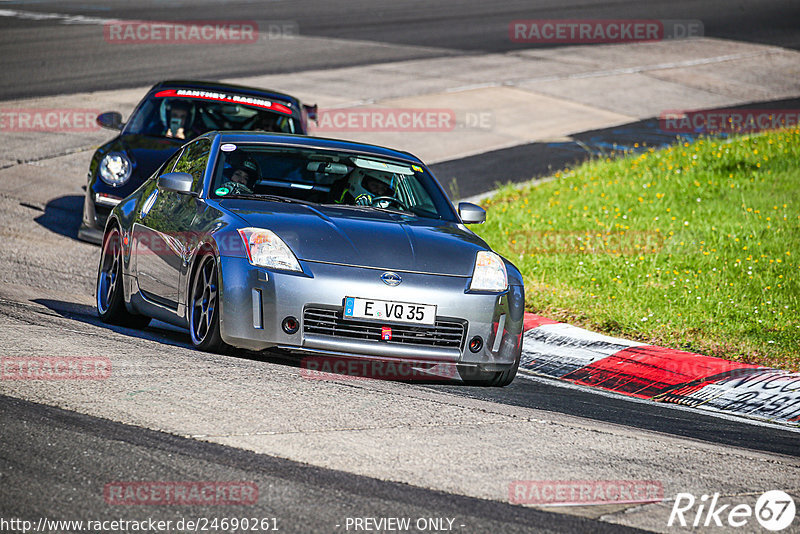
[328, 177]
[186, 118]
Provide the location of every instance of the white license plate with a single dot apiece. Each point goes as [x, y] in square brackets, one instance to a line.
[389, 311]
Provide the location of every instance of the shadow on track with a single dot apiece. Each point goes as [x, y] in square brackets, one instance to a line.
[316, 367]
[545, 395]
[553, 396]
[62, 215]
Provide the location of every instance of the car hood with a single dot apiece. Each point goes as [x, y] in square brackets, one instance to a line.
[365, 237]
[148, 153]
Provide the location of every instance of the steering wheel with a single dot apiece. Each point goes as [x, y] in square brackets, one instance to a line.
[237, 188]
[391, 200]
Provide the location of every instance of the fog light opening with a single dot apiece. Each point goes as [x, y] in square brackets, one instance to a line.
[290, 325]
[475, 344]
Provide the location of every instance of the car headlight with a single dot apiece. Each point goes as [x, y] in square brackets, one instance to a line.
[115, 169]
[265, 249]
[490, 273]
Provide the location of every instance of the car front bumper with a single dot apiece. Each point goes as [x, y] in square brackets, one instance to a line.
[255, 301]
[99, 200]
[95, 214]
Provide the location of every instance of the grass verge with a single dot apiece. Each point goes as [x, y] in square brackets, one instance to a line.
[696, 246]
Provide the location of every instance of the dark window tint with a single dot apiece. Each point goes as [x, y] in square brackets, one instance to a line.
[185, 118]
[194, 161]
[170, 164]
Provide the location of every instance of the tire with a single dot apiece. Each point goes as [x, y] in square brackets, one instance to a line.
[110, 299]
[472, 376]
[204, 305]
[504, 378]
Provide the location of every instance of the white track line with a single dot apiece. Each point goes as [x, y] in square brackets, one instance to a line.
[63, 18]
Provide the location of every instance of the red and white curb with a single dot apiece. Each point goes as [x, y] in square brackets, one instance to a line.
[559, 350]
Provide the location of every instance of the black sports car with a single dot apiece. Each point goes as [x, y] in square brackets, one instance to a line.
[172, 113]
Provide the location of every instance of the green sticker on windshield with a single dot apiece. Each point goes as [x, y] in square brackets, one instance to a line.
[222, 191]
[417, 168]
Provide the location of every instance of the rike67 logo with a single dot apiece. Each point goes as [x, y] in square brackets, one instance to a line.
[774, 511]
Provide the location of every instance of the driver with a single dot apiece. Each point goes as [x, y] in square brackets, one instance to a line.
[179, 123]
[363, 188]
[241, 178]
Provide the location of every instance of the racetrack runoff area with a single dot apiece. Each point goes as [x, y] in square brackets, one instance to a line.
[496, 100]
[427, 437]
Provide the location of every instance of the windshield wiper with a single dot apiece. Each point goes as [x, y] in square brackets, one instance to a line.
[276, 198]
[390, 210]
[425, 213]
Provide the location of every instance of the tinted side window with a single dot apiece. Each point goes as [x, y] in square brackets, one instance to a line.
[170, 164]
[194, 160]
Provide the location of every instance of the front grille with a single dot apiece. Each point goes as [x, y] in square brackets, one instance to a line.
[329, 322]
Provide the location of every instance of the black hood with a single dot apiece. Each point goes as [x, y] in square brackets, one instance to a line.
[147, 153]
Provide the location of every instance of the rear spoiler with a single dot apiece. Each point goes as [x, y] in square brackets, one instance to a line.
[311, 112]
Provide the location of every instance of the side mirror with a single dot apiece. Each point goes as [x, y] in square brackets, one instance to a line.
[111, 120]
[471, 214]
[180, 182]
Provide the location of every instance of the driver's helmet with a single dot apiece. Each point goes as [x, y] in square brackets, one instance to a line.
[267, 122]
[248, 167]
[372, 185]
[171, 110]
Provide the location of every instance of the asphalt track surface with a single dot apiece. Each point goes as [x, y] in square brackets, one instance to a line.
[53, 462]
[54, 56]
[302, 498]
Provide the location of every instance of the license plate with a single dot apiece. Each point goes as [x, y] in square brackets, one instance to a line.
[389, 311]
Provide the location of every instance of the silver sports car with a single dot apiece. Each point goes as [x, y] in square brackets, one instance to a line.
[312, 247]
